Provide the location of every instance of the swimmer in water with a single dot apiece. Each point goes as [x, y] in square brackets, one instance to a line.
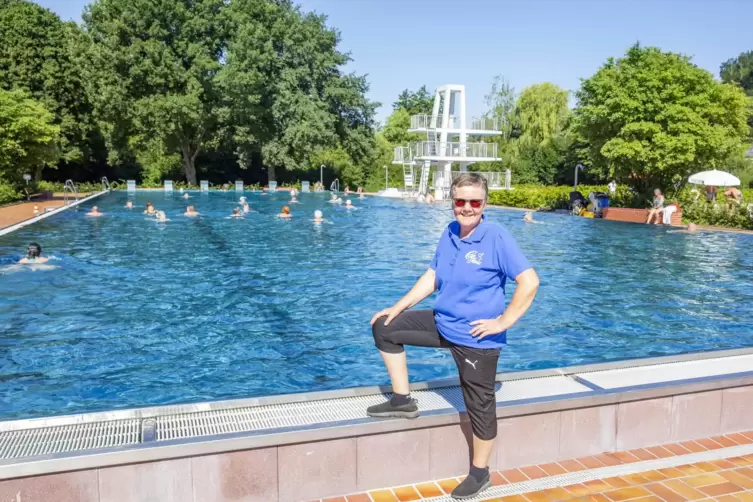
[318, 218]
[690, 229]
[185, 195]
[347, 189]
[429, 198]
[191, 211]
[335, 199]
[33, 254]
[264, 191]
[348, 205]
[293, 200]
[236, 213]
[242, 200]
[94, 212]
[245, 206]
[150, 210]
[161, 216]
[129, 205]
[528, 217]
[285, 212]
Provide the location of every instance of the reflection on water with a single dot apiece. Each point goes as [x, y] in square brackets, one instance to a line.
[202, 308]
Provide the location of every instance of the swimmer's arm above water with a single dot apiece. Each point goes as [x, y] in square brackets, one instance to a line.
[423, 288]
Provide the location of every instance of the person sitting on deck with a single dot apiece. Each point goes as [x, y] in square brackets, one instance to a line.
[285, 212]
[658, 208]
[94, 212]
[33, 254]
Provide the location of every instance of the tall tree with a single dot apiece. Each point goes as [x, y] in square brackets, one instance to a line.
[420, 101]
[502, 105]
[739, 71]
[652, 118]
[288, 97]
[36, 55]
[28, 136]
[154, 75]
[543, 112]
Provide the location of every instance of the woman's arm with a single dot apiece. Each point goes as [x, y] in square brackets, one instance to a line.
[425, 286]
[525, 292]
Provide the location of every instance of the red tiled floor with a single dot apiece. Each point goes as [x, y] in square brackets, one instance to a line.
[514, 475]
[643, 454]
[720, 489]
[590, 462]
[428, 490]
[406, 494]
[383, 496]
[709, 444]
[724, 441]
[607, 460]
[660, 452]
[677, 449]
[665, 493]
[498, 479]
[625, 457]
[740, 438]
[361, 497]
[572, 465]
[693, 446]
[533, 472]
[553, 469]
[448, 485]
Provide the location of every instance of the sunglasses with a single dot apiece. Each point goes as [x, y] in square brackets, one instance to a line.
[475, 203]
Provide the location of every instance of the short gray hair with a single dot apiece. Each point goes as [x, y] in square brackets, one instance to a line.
[469, 180]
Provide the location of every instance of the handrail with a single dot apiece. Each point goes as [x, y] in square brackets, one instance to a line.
[335, 186]
[105, 184]
[442, 178]
[69, 186]
[453, 149]
[425, 121]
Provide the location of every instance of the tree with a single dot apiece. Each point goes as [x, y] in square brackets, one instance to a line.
[28, 136]
[288, 98]
[652, 118]
[36, 55]
[543, 112]
[415, 103]
[154, 75]
[502, 104]
[739, 71]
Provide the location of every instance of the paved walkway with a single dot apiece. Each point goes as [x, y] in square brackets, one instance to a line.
[16, 213]
[718, 468]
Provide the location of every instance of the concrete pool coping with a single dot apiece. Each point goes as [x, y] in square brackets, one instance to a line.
[112, 438]
[47, 214]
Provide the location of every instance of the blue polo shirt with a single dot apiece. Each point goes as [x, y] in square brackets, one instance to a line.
[471, 275]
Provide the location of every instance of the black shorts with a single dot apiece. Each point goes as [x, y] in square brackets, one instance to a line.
[477, 367]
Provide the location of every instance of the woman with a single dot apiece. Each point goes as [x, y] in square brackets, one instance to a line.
[236, 213]
[150, 210]
[473, 260]
[33, 254]
[191, 211]
[285, 212]
[94, 212]
[657, 209]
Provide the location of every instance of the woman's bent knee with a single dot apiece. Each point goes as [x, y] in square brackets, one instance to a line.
[382, 338]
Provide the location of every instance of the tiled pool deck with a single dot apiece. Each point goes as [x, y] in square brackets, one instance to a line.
[705, 469]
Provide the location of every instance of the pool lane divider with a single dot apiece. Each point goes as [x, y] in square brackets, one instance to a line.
[47, 214]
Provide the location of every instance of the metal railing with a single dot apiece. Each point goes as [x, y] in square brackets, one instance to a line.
[453, 149]
[401, 154]
[443, 179]
[69, 187]
[105, 184]
[424, 121]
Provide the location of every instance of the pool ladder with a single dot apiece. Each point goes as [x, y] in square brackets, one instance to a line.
[335, 186]
[105, 184]
[69, 187]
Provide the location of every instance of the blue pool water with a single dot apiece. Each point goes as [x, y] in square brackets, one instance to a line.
[143, 313]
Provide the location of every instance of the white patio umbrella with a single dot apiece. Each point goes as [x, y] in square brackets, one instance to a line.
[715, 178]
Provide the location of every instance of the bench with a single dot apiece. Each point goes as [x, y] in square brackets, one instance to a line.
[636, 215]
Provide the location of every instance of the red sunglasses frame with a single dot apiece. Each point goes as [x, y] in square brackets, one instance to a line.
[475, 203]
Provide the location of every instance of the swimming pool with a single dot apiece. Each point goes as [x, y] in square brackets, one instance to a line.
[142, 313]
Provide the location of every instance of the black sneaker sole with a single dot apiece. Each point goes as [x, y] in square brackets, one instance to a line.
[463, 497]
[395, 414]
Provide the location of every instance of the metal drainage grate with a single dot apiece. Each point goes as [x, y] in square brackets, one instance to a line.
[68, 438]
[256, 418]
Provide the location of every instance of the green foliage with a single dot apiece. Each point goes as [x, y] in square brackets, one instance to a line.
[543, 112]
[37, 54]
[739, 71]
[28, 136]
[652, 118]
[153, 75]
[8, 193]
[558, 197]
[421, 101]
[342, 164]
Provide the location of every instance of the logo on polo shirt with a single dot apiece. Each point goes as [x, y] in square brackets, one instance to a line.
[474, 257]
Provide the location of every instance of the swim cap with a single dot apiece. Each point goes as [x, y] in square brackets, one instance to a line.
[317, 214]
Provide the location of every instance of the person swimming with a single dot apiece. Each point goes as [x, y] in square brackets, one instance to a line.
[690, 229]
[94, 212]
[242, 199]
[185, 195]
[161, 216]
[150, 210]
[528, 217]
[334, 199]
[236, 213]
[349, 205]
[246, 207]
[33, 254]
[129, 205]
[191, 211]
[285, 212]
[318, 218]
[293, 200]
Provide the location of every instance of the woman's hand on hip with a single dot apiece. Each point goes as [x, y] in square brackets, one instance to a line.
[487, 327]
[390, 313]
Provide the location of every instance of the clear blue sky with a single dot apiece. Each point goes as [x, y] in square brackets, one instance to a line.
[407, 43]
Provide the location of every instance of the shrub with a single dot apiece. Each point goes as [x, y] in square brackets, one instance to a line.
[558, 197]
[8, 193]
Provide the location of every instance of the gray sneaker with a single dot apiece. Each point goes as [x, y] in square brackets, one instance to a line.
[387, 409]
